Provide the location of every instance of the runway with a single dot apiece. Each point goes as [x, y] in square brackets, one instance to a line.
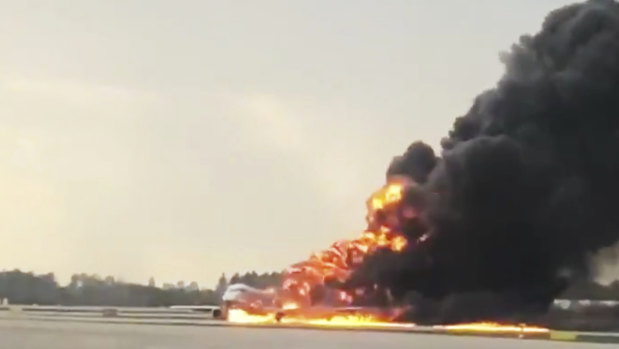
[32, 334]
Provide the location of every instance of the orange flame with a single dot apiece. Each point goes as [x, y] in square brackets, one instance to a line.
[240, 316]
[357, 321]
[337, 263]
[493, 327]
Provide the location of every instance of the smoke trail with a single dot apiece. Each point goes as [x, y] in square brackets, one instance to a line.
[527, 184]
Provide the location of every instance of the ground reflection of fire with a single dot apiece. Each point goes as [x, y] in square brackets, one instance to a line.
[240, 316]
[354, 320]
[492, 327]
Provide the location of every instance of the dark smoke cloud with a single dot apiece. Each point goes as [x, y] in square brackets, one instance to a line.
[527, 185]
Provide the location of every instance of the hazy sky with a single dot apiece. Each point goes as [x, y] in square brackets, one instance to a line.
[181, 139]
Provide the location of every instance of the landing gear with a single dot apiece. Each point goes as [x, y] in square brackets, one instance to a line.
[222, 314]
[217, 313]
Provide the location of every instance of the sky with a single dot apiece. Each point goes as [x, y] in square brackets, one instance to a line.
[183, 139]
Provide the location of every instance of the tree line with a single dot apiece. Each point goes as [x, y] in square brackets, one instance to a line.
[86, 289]
[19, 287]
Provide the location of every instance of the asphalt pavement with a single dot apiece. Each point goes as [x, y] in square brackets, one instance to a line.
[32, 334]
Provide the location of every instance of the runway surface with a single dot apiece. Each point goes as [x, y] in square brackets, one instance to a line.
[28, 334]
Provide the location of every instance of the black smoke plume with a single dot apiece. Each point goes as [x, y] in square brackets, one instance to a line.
[527, 184]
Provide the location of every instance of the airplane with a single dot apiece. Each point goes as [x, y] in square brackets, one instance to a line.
[237, 293]
[260, 302]
[214, 310]
[248, 298]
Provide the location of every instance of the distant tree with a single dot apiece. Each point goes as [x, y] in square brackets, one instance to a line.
[257, 280]
[193, 286]
[235, 279]
[208, 297]
[222, 284]
[250, 278]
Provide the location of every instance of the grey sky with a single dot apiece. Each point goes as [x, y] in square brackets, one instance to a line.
[181, 139]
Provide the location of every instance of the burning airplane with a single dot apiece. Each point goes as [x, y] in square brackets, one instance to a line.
[310, 289]
[523, 193]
